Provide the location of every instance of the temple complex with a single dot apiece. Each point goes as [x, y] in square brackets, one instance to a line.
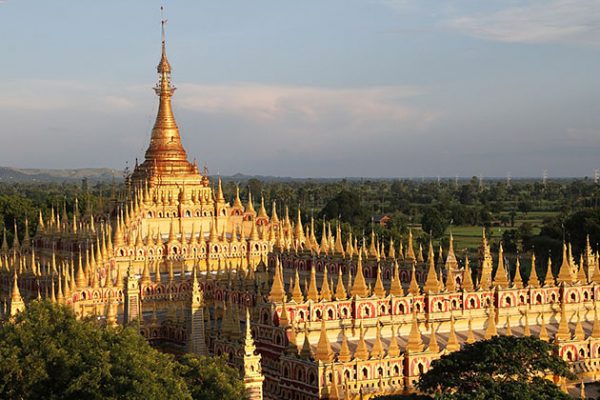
[301, 317]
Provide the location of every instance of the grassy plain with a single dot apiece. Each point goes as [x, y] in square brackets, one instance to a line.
[469, 237]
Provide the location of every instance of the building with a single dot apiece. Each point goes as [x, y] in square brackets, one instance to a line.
[302, 318]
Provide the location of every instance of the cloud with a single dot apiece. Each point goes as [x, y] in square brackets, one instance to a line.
[47, 95]
[399, 5]
[288, 130]
[232, 126]
[311, 120]
[311, 105]
[537, 21]
[583, 137]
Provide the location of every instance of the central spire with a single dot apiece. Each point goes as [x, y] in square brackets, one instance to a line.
[166, 161]
[165, 142]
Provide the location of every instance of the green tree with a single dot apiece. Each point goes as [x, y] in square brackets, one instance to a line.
[347, 206]
[525, 206]
[504, 367]
[434, 222]
[210, 378]
[48, 354]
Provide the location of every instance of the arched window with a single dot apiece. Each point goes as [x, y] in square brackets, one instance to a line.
[312, 377]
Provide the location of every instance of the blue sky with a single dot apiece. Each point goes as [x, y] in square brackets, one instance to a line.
[308, 88]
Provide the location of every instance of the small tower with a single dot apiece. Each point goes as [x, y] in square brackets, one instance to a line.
[253, 377]
[132, 297]
[195, 322]
[16, 301]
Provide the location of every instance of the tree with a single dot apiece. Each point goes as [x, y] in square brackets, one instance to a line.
[524, 206]
[504, 367]
[573, 227]
[411, 396]
[210, 378]
[510, 240]
[434, 222]
[347, 206]
[46, 353]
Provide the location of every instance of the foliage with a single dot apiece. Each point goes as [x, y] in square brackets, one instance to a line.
[504, 367]
[411, 396]
[462, 204]
[48, 354]
[346, 206]
[210, 378]
[574, 227]
[434, 222]
[571, 226]
[515, 240]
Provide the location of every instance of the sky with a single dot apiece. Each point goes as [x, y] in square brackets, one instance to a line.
[311, 88]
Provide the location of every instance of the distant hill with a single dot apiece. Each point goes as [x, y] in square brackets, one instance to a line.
[9, 174]
[94, 175]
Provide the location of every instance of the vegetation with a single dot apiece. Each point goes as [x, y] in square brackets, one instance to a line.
[209, 378]
[48, 354]
[502, 368]
[524, 214]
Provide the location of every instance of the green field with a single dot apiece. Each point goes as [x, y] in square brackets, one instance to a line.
[469, 237]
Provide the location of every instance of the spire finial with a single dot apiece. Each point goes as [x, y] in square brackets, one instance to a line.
[163, 21]
[163, 66]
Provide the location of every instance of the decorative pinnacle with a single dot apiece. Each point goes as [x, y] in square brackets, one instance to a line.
[164, 68]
